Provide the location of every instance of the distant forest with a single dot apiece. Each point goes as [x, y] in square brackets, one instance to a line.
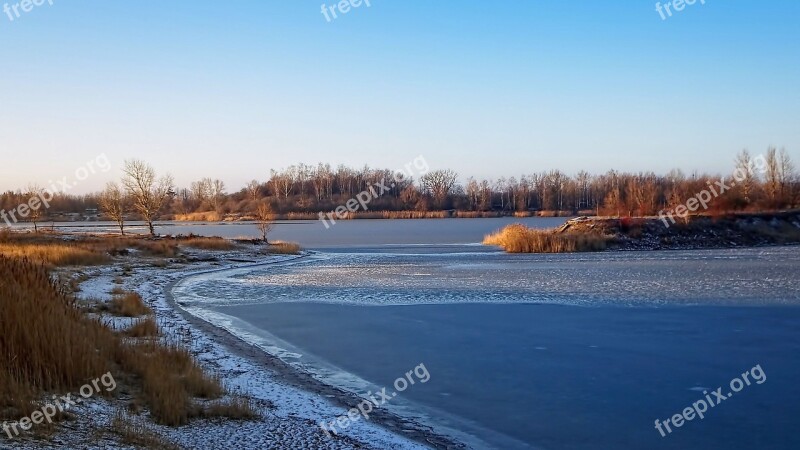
[765, 182]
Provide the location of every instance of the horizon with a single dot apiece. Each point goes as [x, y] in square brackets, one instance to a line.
[232, 93]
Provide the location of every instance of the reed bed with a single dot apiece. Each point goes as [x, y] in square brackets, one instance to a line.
[56, 251]
[208, 243]
[48, 344]
[61, 254]
[518, 238]
[284, 248]
[204, 216]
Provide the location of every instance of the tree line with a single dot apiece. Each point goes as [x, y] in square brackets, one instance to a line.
[771, 183]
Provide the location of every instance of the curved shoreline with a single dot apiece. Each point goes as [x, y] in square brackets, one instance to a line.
[401, 426]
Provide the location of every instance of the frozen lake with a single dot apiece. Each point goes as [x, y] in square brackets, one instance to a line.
[532, 351]
[345, 234]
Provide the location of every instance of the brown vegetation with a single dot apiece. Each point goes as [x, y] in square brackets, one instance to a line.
[143, 328]
[128, 304]
[650, 233]
[208, 243]
[58, 250]
[200, 216]
[284, 248]
[135, 432]
[48, 344]
[518, 238]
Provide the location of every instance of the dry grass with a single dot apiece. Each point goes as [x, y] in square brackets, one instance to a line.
[205, 216]
[146, 327]
[54, 254]
[48, 344]
[169, 378]
[407, 215]
[136, 433]
[234, 408]
[128, 304]
[477, 214]
[518, 238]
[284, 248]
[209, 243]
[62, 250]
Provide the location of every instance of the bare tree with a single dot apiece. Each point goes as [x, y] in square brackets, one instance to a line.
[746, 178]
[283, 182]
[253, 189]
[772, 175]
[472, 191]
[786, 176]
[217, 192]
[264, 220]
[114, 203]
[148, 194]
[34, 205]
[201, 191]
[438, 185]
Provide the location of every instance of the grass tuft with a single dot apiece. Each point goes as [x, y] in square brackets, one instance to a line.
[128, 304]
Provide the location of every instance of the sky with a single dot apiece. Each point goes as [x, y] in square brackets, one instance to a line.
[231, 90]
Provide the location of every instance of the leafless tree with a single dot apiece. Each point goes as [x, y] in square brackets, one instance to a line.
[438, 185]
[485, 195]
[201, 191]
[114, 203]
[253, 189]
[786, 176]
[473, 191]
[217, 194]
[283, 182]
[264, 219]
[746, 177]
[34, 205]
[148, 194]
[772, 174]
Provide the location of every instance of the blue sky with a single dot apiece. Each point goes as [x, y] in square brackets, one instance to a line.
[233, 89]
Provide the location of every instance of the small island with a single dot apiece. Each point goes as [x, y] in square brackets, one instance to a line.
[590, 234]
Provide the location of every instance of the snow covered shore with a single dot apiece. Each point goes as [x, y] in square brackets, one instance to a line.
[291, 404]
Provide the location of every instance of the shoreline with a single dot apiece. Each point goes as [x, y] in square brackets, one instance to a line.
[400, 426]
[288, 406]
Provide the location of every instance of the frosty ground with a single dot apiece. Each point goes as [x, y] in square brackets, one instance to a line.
[291, 405]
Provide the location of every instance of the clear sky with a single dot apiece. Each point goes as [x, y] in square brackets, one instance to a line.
[233, 89]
